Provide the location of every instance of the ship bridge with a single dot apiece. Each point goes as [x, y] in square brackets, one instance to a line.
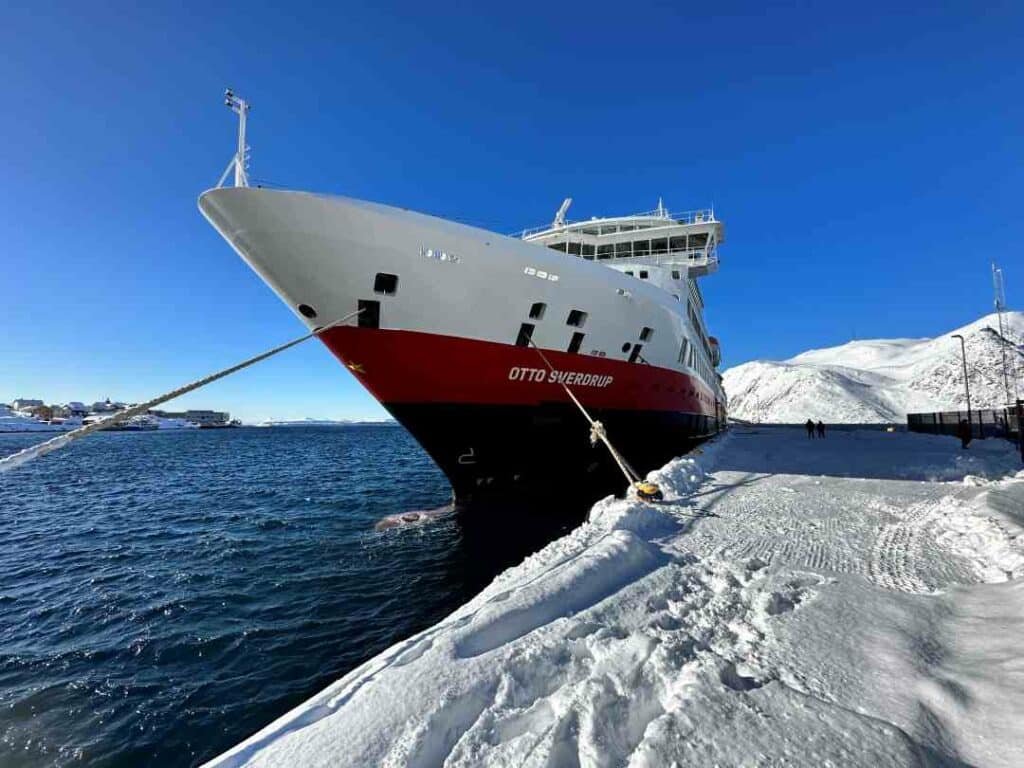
[656, 238]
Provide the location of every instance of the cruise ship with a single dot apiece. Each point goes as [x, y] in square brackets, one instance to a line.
[477, 342]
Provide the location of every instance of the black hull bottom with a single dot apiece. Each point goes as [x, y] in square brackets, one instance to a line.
[498, 456]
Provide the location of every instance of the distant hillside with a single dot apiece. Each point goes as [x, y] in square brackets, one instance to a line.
[880, 380]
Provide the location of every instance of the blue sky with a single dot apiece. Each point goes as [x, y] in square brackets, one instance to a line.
[866, 161]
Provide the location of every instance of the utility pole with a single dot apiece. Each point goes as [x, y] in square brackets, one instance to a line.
[1000, 303]
[967, 386]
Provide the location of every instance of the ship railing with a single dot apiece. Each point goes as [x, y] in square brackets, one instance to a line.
[691, 257]
[699, 216]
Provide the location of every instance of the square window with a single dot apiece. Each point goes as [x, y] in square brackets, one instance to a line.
[525, 335]
[577, 341]
[646, 333]
[643, 274]
[385, 283]
[369, 315]
[537, 310]
[576, 318]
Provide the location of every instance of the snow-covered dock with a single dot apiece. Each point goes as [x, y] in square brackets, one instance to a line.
[849, 601]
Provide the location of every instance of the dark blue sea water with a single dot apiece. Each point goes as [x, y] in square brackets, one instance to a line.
[163, 595]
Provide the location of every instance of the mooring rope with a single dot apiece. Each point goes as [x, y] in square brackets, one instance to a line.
[597, 430]
[35, 451]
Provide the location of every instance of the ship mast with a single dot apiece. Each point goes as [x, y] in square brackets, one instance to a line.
[240, 160]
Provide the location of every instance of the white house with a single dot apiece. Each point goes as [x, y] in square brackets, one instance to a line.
[24, 403]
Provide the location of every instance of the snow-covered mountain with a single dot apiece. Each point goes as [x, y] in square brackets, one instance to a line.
[881, 380]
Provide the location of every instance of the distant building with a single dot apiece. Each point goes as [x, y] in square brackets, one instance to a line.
[202, 418]
[75, 408]
[24, 403]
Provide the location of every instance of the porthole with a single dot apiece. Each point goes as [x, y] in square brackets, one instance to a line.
[307, 311]
[626, 346]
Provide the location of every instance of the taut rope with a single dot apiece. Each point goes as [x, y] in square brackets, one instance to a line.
[35, 451]
[597, 430]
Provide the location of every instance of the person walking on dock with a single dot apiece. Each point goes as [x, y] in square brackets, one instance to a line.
[963, 431]
[821, 429]
[810, 428]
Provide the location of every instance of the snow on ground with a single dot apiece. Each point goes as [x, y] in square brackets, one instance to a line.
[849, 601]
[880, 380]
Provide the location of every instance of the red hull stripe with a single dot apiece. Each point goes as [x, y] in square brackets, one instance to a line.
[413, 367]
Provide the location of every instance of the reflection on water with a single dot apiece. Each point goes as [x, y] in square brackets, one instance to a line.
[164, 595]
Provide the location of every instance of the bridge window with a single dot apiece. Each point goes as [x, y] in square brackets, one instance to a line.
[557, 247]
[537, 311]
[641, 247]
[385, 283]
[677, 244]
[525, 335]
[574, 249]
[577, 341]
[682, 351]
[605, 251]
[588, 250]
[659, 246]
[576, 318]
[623, 250]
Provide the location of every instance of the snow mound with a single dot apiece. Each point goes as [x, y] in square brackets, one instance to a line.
[772, 610]
[880, 381]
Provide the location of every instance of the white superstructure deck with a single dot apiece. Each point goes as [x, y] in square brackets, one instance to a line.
[656, 238]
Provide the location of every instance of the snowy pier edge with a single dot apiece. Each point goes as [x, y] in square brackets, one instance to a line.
[851, 601]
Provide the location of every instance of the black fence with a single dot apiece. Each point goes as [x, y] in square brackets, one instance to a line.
[985, 422]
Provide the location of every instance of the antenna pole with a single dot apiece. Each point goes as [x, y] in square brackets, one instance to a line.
[240, 107]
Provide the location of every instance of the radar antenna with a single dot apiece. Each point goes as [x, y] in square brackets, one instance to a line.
[240, 160]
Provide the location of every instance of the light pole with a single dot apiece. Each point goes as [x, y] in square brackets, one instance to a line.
[967, 386]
